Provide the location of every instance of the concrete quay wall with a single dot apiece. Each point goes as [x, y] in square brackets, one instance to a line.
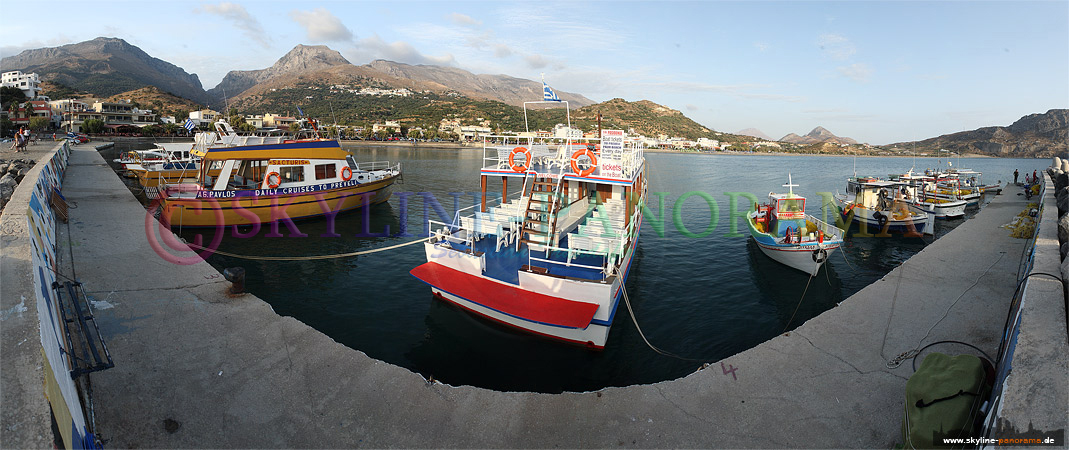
[195, 368]
[1035, 394]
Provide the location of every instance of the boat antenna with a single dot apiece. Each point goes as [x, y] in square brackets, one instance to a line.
[331, 103]
[790, 185]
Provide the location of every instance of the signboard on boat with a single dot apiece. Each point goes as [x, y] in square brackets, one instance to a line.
[612, 150]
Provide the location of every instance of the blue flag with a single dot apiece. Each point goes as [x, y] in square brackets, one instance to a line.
[299, 110]
[548, 94]
[189, 125]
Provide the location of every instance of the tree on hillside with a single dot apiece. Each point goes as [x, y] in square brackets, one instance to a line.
[11, 94]
[295, 127]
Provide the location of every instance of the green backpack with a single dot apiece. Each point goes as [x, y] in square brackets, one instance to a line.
[943, 401]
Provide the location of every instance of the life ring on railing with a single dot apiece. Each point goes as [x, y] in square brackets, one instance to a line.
[593, 162]
[274, 184]
[527, 159]
[346, 173]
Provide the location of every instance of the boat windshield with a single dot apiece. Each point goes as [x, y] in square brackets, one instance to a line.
[791, 205]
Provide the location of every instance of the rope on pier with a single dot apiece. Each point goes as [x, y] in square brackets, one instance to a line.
[307, 258]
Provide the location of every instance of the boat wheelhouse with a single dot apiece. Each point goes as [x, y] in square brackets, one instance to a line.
[551, 258]
[264, 183]
[872, 203]
[784, 232]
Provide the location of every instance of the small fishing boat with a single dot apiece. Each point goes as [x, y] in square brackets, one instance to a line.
[919, 191]
[258, 184]
[784, 232]
[873, 205]
[553, 259]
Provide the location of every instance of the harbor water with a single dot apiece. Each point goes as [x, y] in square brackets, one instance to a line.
[699, 286]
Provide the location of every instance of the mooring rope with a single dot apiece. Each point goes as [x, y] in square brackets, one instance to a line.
[307, 258]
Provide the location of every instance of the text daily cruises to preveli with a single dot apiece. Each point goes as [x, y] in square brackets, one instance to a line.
[276, 191]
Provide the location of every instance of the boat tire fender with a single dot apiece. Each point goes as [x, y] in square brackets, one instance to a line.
[593, 162]
[881, 219]
[527, 159]
[820, 255]
[273, 179]
[346, 173]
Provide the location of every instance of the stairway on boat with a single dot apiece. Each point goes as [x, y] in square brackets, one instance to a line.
[539, 221]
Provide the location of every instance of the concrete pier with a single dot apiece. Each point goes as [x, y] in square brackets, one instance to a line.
[195, 368]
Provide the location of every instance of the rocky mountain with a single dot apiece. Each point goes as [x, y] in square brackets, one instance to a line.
[302, 59]
[1034, 135]
[161, 103]
[104, 67]
[503, 88]
[818, 135]
[757, 133]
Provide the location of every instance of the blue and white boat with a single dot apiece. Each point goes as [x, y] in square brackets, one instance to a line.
[784, 232]
[875, 205]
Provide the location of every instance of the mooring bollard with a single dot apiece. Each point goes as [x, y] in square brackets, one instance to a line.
[236, 277]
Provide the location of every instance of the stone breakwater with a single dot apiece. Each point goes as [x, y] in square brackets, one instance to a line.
[13, 172]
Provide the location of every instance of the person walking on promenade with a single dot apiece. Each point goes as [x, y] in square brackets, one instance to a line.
[1014, 176]
[1035, 177]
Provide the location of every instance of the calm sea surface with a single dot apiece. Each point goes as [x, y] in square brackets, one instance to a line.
[698, 290]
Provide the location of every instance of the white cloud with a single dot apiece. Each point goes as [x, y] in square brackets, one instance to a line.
[502, 51]
[241, 18]
[322, 26]
[692, 107]
[399, 51]
[761, 46]
[836, 46]
[464, 20]
[859, 72]
[536, 61]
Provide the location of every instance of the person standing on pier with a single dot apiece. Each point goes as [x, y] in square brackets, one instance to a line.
[1014, 176]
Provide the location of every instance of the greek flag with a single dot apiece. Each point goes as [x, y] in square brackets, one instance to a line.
[299, 110]
[189, 125]
[548, 94]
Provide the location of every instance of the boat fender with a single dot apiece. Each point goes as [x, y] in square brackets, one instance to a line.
[346, 173]
[277, 180]
[881, 219]
[820, 255]
[526, 162]
[575, 161]
[820, 237]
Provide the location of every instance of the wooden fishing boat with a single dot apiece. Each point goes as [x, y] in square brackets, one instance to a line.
[784, 232]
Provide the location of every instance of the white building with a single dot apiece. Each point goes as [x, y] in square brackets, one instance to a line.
[474, 133]
[708, 144]
[29, 83]
[565, 132]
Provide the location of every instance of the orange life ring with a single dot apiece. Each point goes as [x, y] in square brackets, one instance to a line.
[346, 173]
[527, 159]
[278, 180]
[593, 162]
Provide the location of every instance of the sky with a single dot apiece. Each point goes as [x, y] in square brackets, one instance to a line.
[878, 72]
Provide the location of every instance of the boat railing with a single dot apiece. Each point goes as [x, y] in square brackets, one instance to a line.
[825, 227]
[444, 232]
[499, 201]
[549, 153]
[571, 253]
[377, 165]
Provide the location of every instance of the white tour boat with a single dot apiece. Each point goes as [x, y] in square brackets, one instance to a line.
[553, 260]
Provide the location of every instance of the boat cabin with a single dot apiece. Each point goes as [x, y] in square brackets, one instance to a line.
[268, 167]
